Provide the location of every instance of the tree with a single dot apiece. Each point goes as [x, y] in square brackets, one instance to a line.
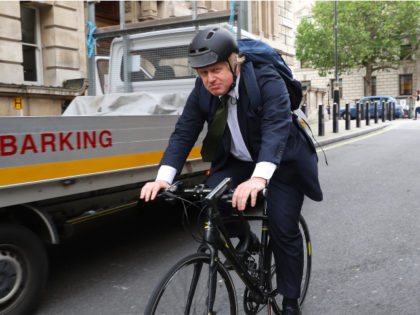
[374, 35]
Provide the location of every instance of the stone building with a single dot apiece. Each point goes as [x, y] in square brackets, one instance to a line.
[43, 50]
[270, 20]
[401, 83]
[42, 45]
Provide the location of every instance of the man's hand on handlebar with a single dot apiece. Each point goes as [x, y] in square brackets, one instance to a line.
[151, 189]
[251, 187]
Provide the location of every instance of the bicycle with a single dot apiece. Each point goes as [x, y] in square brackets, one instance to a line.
[201, 284]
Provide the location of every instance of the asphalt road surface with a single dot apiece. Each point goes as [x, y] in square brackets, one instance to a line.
[365, 240]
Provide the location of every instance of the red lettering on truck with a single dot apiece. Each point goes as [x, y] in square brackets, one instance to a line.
[105, 142]
[64, 140]
[78, 140]
[28, 144]
[87, 138]
[47, 139]
[8, 145]
[52, 142]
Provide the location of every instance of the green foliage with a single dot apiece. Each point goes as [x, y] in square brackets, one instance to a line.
[370, 35]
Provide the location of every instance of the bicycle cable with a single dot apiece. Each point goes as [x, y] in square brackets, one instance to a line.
[185, 220]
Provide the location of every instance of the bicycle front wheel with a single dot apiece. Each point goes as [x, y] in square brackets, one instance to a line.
[184, 289]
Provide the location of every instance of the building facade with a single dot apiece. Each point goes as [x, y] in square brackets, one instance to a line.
[41, 47]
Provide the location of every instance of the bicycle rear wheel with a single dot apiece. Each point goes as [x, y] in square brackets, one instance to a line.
[307, 255]
[251, 307]
[184, 289]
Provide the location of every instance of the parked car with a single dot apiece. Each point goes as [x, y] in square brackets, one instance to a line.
[399, 112]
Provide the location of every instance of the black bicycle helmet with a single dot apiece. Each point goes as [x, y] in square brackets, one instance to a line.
[210, 46]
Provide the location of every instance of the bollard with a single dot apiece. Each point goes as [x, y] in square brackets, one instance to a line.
[375, 109]
[383, 106]
[321, 123]
[388, 110]
[304, 109]
[347, 116]
[335, 117]
[358, 115]
[393, 110]
[362, 111]
[367, 114]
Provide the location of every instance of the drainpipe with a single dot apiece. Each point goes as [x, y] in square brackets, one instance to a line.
[126, 51]
[91, 61]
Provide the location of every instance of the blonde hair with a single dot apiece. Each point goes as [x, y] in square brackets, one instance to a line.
[235, 59]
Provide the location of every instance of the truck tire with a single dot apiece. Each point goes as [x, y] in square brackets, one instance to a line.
[23, 269]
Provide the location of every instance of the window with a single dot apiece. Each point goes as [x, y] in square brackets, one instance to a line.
[406, 84]
[373, 86]
[305, 64]
[340, 85]
[102, 69]
[159, 64]
[305, 85]
[31, 45]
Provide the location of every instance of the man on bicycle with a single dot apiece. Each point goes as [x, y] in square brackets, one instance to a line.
[255, 148]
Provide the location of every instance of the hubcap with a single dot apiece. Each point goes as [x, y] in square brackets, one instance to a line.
[11, 275]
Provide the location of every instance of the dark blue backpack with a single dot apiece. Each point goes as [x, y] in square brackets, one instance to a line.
[257, 52]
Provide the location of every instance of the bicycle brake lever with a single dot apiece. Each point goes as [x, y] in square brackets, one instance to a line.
[175, 186]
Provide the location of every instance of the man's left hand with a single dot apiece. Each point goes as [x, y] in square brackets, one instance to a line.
[249, 188]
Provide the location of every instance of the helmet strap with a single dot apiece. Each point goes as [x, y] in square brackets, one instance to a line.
[234, 75]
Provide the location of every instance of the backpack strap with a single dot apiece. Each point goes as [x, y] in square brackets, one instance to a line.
[251, 85]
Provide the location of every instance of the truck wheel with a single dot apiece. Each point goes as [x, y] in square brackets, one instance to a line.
[23, 269]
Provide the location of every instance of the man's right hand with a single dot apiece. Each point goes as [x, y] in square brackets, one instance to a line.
[151, 189]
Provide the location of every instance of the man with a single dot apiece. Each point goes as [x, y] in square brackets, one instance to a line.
[417, 106]
[258, 148]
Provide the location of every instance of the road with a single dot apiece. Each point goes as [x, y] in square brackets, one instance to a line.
[365, 239]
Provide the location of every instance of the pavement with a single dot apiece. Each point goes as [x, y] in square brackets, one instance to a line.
[343, 134]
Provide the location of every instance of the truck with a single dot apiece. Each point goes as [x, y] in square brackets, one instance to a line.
[58, 171]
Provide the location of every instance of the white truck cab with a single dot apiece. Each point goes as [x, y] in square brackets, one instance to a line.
[158, 60]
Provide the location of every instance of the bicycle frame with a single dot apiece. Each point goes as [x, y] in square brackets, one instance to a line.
[215, 240]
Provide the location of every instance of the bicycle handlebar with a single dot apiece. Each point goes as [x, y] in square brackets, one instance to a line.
[221, 192]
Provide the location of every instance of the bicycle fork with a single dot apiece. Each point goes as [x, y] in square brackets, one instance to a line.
[214, 260]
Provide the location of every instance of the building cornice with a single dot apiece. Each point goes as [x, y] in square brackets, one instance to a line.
[40, 91]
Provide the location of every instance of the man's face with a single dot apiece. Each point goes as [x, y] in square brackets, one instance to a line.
[217, 78]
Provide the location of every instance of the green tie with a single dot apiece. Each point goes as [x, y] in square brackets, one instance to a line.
[215, 131]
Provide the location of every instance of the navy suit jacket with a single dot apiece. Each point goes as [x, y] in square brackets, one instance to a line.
[270, 133]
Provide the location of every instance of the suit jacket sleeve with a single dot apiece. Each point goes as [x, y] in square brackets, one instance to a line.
[186, 132]
[276, 118]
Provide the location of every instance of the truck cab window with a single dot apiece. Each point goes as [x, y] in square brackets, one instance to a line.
[159, 64]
